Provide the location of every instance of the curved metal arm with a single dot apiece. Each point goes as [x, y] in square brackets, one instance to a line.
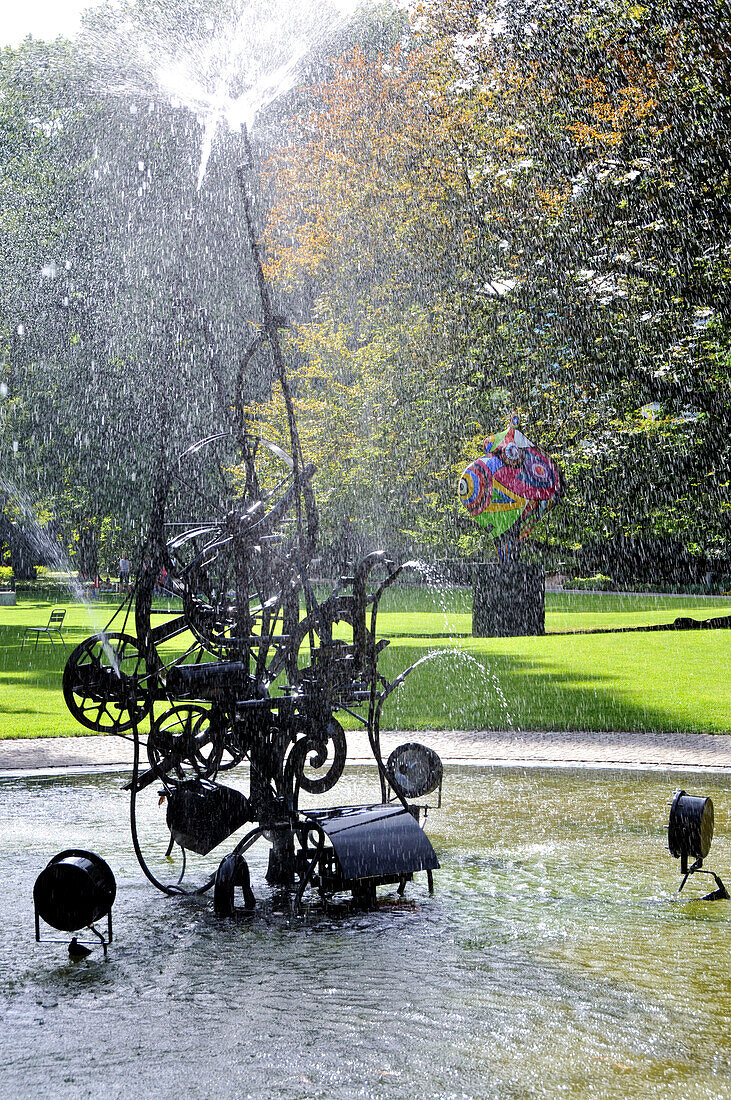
[374, 735]
[312, 826]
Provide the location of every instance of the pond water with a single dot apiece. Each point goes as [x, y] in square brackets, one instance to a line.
[553, 960]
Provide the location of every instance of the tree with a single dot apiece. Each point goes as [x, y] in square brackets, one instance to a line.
[520, 187]
[123, 277]
[470, 217]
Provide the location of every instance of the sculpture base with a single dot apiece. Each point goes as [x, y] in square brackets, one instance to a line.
[508, 600]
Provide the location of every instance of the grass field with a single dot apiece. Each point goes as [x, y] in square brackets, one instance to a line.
[659, 681]
[425, 612]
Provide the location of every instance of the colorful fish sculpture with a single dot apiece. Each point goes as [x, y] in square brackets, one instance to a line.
[512, 486]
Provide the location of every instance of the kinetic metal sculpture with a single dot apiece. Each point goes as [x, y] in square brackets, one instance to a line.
[267, 670]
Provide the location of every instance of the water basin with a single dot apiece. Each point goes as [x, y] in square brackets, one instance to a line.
[553, 960]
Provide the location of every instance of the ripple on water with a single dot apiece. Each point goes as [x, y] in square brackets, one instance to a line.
[553, 960]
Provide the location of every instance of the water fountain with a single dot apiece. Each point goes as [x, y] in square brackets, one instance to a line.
[238, 570]
[554, 958]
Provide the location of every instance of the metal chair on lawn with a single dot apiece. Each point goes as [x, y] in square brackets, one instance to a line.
[53, 626]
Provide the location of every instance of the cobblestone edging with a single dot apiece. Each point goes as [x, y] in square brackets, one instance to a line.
[504, 748]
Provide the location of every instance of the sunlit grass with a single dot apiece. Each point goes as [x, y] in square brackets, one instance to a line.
[426, 611]
[665, 681]
[659, 681]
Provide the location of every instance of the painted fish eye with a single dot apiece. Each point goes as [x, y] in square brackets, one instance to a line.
[464, 489]
[512, 452]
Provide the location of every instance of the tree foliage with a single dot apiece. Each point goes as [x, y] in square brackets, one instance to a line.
[550, 192]
[121, 275]
[479, 210]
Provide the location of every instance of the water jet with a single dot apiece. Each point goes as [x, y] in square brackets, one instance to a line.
[268, 666]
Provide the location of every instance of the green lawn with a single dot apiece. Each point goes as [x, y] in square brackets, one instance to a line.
[653, 682]
[426, 612]
[662, 681]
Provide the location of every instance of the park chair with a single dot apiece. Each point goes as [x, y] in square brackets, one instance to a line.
[53, 626]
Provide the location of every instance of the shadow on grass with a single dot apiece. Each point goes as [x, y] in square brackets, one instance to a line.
[14, 653]
[31, 677]
[678, 623]
[459, 691]
[45, 667]
[455, 690]
[19, 665]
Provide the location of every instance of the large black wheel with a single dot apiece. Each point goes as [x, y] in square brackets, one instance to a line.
[235, 571]
[105, 683]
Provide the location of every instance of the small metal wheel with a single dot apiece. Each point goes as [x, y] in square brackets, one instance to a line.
[183, 739]
[414, 770]
[104, 683]
[233, 571]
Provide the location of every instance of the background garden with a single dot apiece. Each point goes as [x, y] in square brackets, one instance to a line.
[573, 678]
[468, 210]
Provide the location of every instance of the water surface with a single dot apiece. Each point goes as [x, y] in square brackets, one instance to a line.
[553, 960]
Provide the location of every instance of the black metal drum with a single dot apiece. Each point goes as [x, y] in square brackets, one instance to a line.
[75, 889]
[414, 770]
[690, 829]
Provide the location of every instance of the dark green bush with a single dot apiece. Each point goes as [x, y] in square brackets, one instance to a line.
[598, 583]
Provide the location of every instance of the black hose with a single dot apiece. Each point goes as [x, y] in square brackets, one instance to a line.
[172, 889]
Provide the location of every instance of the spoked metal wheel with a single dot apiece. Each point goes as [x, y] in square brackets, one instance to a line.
[180, 743]
[189, 740]
[233, 594]
[235, 572]
[105, 683]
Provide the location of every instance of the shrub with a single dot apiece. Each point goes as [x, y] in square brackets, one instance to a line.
[598, 583]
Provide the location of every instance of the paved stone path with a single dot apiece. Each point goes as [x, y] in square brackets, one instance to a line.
[503, 748]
